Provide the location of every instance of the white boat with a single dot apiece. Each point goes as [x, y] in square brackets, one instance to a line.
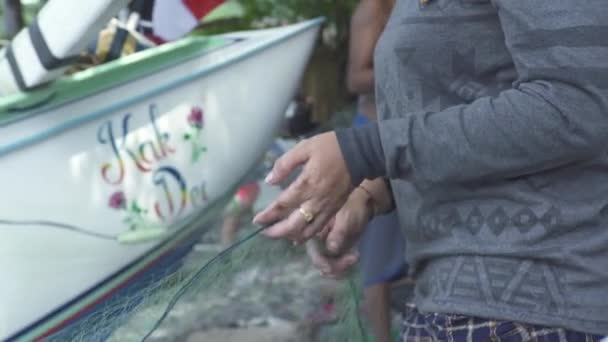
[108, 172]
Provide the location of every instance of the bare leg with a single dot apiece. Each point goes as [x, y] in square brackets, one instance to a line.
[404, 281]
[377, 306]
[229, 229]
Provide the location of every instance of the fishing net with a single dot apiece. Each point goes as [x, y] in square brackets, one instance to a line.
[253, 282]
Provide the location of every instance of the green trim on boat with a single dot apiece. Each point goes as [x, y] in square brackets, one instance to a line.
[141, 235]
[106, 76]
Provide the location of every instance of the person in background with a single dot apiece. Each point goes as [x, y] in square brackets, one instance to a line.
[296, 124]
[242, 204]
[239, 208]
[382, 246]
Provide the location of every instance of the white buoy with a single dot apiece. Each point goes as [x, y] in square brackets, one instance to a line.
[41, 52]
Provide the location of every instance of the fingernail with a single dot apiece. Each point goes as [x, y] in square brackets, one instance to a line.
[269, 178]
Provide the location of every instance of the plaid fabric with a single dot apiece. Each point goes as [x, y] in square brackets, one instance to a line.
[435, 327]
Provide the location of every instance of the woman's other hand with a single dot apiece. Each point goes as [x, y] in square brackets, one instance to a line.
[341, 236]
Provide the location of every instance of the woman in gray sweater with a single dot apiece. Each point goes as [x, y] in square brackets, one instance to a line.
[492, 144]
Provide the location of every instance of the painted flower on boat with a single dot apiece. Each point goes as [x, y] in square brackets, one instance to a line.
[196, 117]
[134, 213]
[196, 120]
[118, 200]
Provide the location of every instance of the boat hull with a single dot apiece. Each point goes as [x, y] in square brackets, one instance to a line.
[97, 189]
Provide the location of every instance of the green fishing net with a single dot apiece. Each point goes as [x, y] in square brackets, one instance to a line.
[254, 282]
[166, 310]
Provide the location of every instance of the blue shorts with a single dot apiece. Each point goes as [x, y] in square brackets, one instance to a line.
[360, 120]
[382, 251]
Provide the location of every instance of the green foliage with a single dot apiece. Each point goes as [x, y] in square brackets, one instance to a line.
[293, 10]
[268, 13]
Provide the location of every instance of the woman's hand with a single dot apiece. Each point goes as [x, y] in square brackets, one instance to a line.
[305, 208]
[334, 267]
[341, 236]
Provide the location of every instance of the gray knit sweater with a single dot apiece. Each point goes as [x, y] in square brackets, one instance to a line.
[494, 132]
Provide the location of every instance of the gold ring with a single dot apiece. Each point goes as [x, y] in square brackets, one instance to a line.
[308, 216]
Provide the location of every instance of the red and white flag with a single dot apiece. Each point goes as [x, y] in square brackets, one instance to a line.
[173, 19]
